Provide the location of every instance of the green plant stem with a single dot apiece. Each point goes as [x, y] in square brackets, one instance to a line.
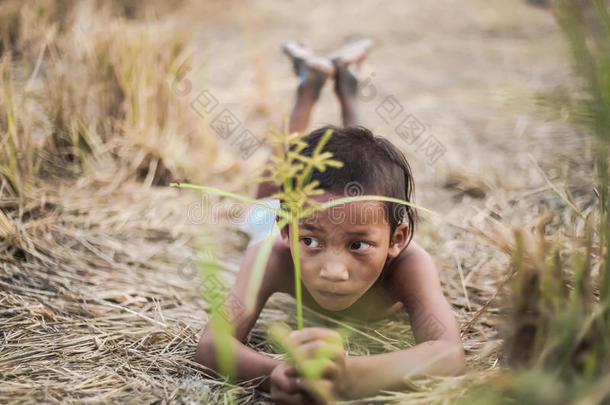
[332, 203]
[218, 191]
[258, 270]
[297, 271]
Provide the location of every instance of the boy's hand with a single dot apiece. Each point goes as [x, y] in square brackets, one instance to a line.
[323, 351]
[286, 386]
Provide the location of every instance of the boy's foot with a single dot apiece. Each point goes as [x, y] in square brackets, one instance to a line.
[346, 61]
[352, 53]
[313, 71]
[346, 82]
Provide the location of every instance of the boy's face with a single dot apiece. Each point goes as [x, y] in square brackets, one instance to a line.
[344, 249]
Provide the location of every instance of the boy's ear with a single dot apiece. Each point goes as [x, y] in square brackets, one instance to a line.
[399, 240]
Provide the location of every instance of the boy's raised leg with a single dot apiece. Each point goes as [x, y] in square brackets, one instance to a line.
[313, 72]
[346, 61]
[346, 86]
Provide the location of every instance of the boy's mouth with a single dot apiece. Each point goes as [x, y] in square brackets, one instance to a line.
[333, 294]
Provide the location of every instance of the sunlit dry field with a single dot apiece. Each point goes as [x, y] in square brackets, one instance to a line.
[101, 109]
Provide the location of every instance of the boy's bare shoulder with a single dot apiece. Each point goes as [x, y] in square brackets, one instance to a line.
[412, 266]
[277, 272]
[413, 251]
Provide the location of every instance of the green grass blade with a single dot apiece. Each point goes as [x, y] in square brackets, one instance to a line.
[332, 203]
[297, 271]
[258, 270]
[218, 191]
[221, 328]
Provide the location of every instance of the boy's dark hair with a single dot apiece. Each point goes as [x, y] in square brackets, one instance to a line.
[371, 164]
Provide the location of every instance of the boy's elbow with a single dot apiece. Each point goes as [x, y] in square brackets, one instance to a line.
[450, 357]
[461, 361]
[456, 358]
[205, 351]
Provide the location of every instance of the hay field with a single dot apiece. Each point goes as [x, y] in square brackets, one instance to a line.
[99, 301]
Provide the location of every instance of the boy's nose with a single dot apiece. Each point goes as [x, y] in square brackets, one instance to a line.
[334, 271]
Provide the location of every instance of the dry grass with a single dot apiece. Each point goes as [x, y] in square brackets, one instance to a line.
[95, 301]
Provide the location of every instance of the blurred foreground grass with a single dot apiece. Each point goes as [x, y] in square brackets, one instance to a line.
[557, 306]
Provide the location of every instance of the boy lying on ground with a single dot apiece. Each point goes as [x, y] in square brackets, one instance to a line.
[358, 260]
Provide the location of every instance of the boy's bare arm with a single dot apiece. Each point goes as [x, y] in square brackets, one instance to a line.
[250, 363]
[362, 376]
[418, 286]
[439, 349]
[367, 375]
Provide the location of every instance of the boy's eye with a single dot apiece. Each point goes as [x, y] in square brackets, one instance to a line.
[310, 242]
[361, 246]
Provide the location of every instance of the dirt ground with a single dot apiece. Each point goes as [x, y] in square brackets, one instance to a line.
[472, 72]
